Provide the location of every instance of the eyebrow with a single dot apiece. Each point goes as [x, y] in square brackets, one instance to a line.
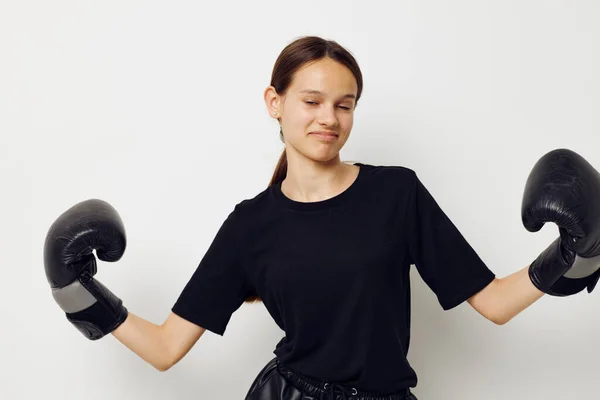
[312, 91]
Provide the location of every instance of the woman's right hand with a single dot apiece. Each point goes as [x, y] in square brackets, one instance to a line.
[70, 266]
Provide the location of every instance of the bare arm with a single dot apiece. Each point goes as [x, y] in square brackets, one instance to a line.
[160, 345]
[506, 297]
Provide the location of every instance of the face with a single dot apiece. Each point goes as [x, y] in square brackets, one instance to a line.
[317, 112]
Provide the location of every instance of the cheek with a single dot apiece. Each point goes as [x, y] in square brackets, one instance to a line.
[347, 121]
[304, 116]
[299, 121]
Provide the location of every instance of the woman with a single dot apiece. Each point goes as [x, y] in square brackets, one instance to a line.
[327, 248]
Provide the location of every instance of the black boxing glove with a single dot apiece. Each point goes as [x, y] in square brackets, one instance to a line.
[70, 266]
[565, 189]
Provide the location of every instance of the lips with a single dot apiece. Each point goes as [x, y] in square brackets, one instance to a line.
[324, 134]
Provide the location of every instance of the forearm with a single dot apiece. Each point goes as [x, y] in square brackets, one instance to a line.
[516, 292]
[506, 297]
[146, 340]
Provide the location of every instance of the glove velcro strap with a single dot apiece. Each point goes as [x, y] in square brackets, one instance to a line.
[93, 309]
[584, 273]
[73, 298]
[96, 321]
[583, 267]
[567, 286]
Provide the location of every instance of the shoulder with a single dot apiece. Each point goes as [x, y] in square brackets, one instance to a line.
[243, 215]
[249, 207]
[396, 175]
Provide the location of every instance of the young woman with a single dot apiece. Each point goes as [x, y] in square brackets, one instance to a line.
[327, 248]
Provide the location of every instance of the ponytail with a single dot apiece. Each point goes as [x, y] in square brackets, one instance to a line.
[280, 170]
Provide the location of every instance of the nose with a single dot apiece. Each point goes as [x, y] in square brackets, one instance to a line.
[327, 116]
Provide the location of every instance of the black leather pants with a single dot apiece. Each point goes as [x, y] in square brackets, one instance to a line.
[278, 382]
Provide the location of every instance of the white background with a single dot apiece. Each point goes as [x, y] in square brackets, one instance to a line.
[157, 108]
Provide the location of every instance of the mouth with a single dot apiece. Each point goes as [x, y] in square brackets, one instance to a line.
[324, 135]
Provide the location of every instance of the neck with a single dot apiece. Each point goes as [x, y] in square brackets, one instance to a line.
[308, 180]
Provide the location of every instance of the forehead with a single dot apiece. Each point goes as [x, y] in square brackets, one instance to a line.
[326, 76]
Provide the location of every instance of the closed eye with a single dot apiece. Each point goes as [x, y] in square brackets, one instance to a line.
[313, 103]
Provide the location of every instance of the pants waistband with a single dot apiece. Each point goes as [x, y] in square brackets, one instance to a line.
[329, 390]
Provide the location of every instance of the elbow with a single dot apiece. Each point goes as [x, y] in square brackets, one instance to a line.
[164, 365]
[500, 319]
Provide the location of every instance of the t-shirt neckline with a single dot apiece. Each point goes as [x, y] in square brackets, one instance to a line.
[322, 204]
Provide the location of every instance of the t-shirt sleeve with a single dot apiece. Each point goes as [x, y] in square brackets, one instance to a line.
[443, 257]
[218, 286]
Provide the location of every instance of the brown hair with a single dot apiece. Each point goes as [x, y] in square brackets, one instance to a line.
[301, 51]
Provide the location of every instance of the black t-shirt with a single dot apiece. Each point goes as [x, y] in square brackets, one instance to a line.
[334, 274]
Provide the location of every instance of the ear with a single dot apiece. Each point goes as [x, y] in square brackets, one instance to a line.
[273, 102]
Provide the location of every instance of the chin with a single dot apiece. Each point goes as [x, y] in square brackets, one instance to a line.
[326, 155]
[324, 158]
